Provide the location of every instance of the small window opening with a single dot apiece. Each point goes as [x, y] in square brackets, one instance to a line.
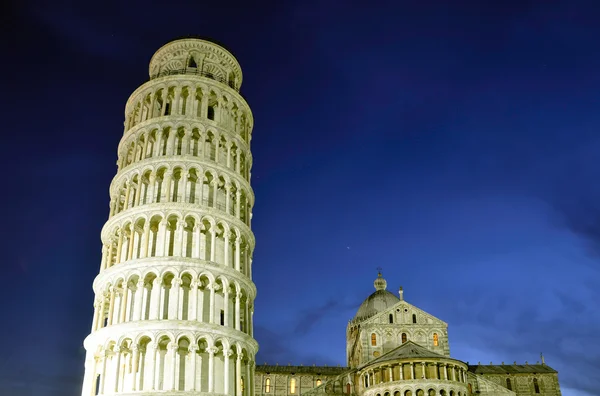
[97, 391]
[436, 340]
[192, 62]
[373, 339]
[348, 389]
[391, 318]
[168, 109]
[293, 385]
[414, 318]
[403, 338]
[222, 318]
[268, 385]
[536, 385]
[210, 114]
[242, 384]
[508, 384]
[319, 382]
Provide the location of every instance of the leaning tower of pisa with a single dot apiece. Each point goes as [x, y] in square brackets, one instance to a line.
[174, 296]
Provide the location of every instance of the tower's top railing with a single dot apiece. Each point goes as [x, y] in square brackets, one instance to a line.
[195, 72]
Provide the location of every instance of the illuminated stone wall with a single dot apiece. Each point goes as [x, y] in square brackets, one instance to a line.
[174, 297]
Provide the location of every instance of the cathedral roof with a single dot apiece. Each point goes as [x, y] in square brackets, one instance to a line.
[376, 302]
[510, 369]
[407, 350]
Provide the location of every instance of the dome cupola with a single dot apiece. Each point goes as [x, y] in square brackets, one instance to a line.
[377, 302]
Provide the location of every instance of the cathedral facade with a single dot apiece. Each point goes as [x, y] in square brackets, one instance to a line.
[394, 348]
[174, 297]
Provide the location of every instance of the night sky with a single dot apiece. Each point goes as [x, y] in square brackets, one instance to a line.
[456, 147]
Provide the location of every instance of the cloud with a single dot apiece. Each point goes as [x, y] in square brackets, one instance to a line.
[309, 318]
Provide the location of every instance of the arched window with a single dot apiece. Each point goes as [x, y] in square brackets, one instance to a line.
[470, 389]
[414, 318]
[319, 382]
[508, 384]
[268, 385]
[536, 386]
[373, 339]
[403, 338]
[348, 389]
[436, 340]
[293, 385]
[391, 318]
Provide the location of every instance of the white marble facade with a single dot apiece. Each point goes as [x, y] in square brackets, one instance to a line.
[174, 296]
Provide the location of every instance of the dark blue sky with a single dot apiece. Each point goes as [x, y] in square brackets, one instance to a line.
[455, 146]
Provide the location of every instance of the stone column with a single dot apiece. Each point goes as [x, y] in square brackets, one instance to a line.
[215, 189]
[176, 101]
[135, 367]
[138, 300]
[211, 368]
[211, 287]
[238, 375]
[226, 248]
[146, 239]
[120, 233]
[124, 303]
[197, 233]
[227, 198]
[117, 368]
[237, 252]
[401, 372]
[213, 242]
[161, 240]
[103, 374]
[423, 370]
[391, 374]
[178, 248]
[152, 105]
[111, 306]
[151, 188]
[185, 143]
[445, 371]
[155, 298]
[166, 191]
[194, 358]
[153, 374]
[95, 320]
[238, 297]
[173, 348]
[174, 303]
[226, 355]
[126, 204]
[138, 191]
[412, 370]
[193, 307]
[103, 264]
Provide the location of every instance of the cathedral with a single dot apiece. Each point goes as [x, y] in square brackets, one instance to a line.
[174, 296]
[396, 349]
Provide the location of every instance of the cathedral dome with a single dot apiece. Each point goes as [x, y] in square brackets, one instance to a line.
[376, 302]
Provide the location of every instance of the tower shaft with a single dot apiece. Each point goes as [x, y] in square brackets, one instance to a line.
[174, 297]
